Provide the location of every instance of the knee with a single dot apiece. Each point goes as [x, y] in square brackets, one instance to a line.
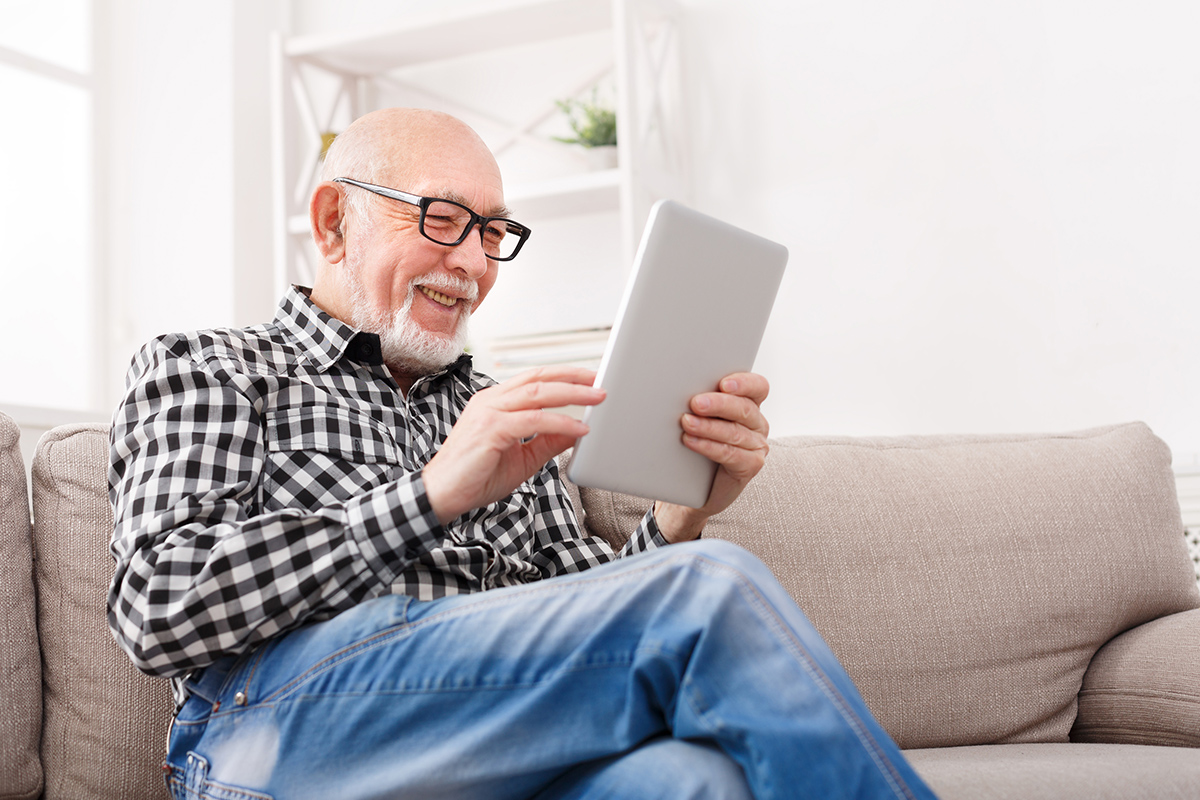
[674, 769]
[726, 554]
[696, 771]
[717, 571]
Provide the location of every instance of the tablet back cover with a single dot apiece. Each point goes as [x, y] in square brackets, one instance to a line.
[694, 310]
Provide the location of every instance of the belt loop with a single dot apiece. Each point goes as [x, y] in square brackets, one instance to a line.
[195, 772]
[207, 682]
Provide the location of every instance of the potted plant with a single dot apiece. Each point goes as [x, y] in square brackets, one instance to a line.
[595, 128]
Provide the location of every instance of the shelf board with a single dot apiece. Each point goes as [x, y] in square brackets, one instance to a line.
[585, 193]
[449, 34]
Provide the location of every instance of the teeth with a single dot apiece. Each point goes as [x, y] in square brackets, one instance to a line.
[438, 296]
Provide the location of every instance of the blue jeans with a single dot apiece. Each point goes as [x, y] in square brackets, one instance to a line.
[685, 672]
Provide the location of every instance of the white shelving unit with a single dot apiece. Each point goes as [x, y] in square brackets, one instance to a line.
[463, 61]
[586, 193]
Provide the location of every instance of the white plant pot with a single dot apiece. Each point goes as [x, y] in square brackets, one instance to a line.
[599, 158]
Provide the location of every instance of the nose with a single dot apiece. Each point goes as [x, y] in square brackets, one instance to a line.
[468, 257]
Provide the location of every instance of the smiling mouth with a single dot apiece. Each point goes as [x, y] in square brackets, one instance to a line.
[438, 297]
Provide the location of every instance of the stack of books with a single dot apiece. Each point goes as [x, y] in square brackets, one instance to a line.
[504, 357]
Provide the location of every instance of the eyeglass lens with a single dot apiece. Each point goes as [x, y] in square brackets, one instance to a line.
[445, 222]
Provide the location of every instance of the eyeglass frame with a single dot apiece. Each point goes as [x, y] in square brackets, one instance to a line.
[423, 203]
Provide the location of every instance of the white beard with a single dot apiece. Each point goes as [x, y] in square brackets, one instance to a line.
[407, 347]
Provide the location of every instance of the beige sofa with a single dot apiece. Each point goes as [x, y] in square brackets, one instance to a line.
[1019, 611]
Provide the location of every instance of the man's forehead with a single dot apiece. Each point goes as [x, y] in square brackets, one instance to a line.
[447, 193]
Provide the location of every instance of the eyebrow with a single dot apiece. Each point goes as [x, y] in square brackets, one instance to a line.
[450, 194]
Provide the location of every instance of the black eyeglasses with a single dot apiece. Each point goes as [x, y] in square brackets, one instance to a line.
[448, 223]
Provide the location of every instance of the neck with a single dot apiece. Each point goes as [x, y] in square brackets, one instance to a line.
[330, 303]
[404, 380]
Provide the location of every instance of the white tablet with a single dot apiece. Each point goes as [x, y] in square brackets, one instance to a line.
[694, 311]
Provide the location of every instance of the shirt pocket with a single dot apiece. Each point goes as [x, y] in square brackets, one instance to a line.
[322, 455]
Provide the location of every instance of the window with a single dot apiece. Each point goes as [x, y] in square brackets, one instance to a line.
[49, 342]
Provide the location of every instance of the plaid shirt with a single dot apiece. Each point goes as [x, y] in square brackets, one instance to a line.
[268, 477]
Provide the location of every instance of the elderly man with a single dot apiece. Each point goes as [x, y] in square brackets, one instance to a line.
[355, 559]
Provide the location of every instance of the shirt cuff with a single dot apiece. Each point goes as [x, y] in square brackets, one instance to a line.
[647, 537]
[394, 525]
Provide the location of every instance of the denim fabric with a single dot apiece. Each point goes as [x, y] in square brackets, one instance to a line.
[685, 672]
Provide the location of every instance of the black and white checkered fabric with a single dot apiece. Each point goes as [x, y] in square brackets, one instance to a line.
[270, 476]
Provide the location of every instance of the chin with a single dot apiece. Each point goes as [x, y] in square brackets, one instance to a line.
[409, 348]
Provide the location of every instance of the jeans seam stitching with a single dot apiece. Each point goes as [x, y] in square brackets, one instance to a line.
[381, 638]
[818, 675]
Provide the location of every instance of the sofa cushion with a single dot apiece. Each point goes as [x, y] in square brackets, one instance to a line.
[1144, 686]
[964, 581]
[105, 722]
[20, 663]
[1060, 772]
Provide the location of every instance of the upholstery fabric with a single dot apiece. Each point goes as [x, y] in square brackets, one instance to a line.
[1060, 772]
[1144, 686]
[969, 585]
[105, 723]
[20, 662]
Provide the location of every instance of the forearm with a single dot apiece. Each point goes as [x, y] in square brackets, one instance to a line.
[205, 563]
[186, 594]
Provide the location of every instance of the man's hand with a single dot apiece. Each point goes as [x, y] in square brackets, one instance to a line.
[728, 427]
[504, 436]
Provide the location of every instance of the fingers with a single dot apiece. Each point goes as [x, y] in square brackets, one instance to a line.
[737, 448]
[560, 373]
[733, 434]
[546, 387]
[737, 400]
[746, 384]
[524, 425]
[728, 427]
[740, 463]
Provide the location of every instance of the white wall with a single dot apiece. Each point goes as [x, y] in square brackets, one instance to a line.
[188, 219]
[990, 208]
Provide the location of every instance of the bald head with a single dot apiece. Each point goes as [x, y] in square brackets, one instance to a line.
[393, 145]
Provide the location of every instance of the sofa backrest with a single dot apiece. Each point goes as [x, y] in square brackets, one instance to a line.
[964, 581]
[20, 663]
[105, 722]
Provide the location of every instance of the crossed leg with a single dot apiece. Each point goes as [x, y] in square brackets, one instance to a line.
[508, 692]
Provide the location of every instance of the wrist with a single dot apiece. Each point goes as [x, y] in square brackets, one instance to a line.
[440, 500]
[679, 523]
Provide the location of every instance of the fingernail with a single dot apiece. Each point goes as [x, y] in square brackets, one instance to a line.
[731, 385]
[702, 403]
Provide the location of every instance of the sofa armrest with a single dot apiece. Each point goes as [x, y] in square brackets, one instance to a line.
[1143, 687]
[20, 660]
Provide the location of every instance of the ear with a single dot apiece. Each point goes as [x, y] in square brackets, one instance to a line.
[326, 214]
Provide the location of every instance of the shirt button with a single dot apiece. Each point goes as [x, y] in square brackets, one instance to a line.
[240, 698]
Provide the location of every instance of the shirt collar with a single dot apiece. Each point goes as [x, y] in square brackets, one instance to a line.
[324, 339]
